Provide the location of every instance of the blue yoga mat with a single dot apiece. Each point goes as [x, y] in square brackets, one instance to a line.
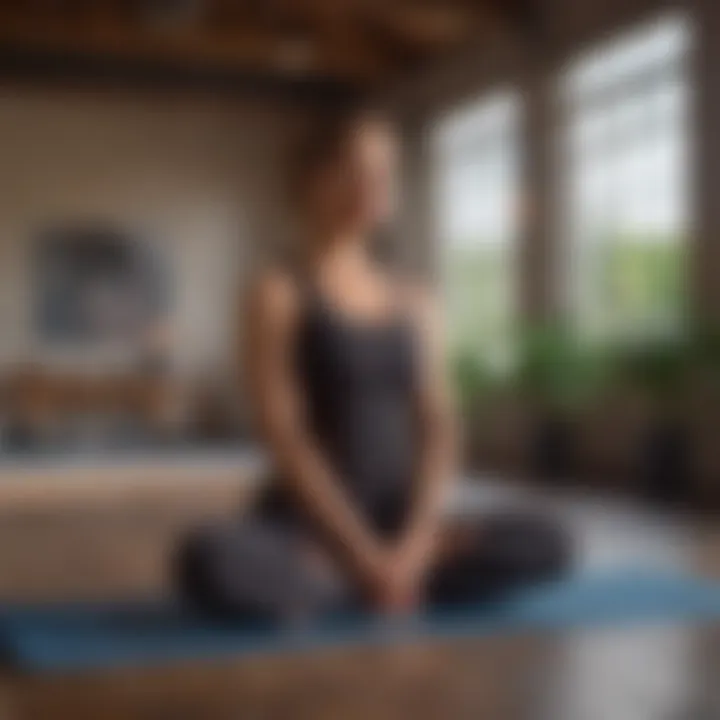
[85, 636]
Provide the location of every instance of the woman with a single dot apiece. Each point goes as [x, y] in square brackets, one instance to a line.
[347, 376]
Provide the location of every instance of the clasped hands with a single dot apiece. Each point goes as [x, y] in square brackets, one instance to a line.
[394, 576]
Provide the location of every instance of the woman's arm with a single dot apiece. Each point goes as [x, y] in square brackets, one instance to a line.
[437, 463]
[278, 404]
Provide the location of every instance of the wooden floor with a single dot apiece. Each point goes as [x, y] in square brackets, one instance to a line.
[663, 673]
[650, 673]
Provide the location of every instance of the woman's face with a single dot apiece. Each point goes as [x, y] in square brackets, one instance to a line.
[354, 191]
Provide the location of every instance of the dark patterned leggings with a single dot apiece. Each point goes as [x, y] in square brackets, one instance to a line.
[263, 569]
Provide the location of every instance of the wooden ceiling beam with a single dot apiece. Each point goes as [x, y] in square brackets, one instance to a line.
[101, 33]
[358, 41]
[339, 32]
[520, 17]
[429, 25]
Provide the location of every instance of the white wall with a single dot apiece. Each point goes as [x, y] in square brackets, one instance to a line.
[201, 176]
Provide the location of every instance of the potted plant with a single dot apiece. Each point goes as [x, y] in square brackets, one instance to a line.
[480, 389]
[704, 405]
[559, 375]
[661, 370]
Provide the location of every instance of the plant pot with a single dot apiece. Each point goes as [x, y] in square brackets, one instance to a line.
[666, 463]
[554, 448]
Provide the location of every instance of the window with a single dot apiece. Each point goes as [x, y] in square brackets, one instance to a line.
[477, 162]
[627, 192]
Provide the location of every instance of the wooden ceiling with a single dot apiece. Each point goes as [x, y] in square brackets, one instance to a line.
[355, 42]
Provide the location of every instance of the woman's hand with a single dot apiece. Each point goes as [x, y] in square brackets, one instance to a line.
[412, 559]
[385, 589]
[394, 581]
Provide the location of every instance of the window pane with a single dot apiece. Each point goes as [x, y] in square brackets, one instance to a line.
[477, 190]
[627, 199]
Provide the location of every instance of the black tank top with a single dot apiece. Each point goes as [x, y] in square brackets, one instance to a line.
[358, 380]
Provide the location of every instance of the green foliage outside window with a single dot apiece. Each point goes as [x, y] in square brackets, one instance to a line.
[640, 285]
